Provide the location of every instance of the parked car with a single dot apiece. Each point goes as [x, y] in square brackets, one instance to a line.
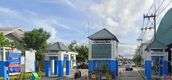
[129, 67]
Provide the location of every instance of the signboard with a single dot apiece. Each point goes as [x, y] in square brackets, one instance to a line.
[101, 50]
[29, 61]
[14, 63]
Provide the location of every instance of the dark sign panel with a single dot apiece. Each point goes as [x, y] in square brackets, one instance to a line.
[101, 50]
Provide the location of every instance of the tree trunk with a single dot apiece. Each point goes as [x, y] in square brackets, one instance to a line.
[39, 63]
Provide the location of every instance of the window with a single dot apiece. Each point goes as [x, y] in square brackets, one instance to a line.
[101, 50]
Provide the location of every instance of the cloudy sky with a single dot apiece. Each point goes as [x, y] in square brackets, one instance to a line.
[69, 20]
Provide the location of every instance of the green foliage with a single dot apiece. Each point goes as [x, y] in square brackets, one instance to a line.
[71, 47]
[82, 52]
[5, 42]
[36, 40]
[137, 59]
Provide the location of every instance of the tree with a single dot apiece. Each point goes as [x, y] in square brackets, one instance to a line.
[137, 59]
[82, 53]
[71, 47]
[5, 42]
[36, 40]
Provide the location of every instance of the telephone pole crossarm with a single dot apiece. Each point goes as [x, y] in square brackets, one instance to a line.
[154, 18]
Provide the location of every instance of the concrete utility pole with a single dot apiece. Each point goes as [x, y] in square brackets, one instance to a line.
[154, 18]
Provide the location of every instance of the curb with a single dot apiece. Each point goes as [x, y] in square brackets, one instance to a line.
[142, 74]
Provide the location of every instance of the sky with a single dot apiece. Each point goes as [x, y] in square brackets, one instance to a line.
[69, 20]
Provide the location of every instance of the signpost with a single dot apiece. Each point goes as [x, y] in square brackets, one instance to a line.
[14, 63]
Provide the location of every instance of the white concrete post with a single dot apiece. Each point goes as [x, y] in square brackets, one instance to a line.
[166, 56]
[4, 54]
[90, 49]
[112, 49]
[74, 58]
[148, 55]
[52, 66]
[60, 64]
[69, 57]
[60, 56]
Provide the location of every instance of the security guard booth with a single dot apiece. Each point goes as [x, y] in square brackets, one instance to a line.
[59, 59]
[103, 48]
[159, 51]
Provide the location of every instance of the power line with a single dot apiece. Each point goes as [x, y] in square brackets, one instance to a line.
[145, 28]
[159, 6]
[154, 18]
[165, 7]
[151, 6]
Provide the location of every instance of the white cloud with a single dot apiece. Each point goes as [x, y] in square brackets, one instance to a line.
[127, 50]
[7, 10]
[121, 17]
[126, 12]
[70, 3]
[14, 17]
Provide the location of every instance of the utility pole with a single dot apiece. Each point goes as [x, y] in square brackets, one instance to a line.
[154, 18]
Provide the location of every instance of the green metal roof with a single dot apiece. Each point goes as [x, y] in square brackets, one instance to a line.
[165, 29]
[58, 46]
[164, 32]
[103, 34]
[156, 45]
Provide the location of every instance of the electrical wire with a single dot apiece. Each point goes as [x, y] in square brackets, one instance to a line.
[164, 8]
[151, 6]
[159, 6]
[143, 23]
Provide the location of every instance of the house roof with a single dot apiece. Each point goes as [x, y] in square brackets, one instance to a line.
[58, 46]
[103, 34]
[14, 32]
[164, 31]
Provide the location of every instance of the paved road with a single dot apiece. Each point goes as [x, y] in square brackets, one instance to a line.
[130, 75]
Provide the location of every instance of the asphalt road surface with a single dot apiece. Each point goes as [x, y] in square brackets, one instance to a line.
[130, 75]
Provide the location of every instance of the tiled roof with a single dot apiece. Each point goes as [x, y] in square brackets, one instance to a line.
[103, 34]
[58, 46]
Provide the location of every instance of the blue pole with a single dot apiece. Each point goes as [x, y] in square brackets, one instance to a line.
[56, 67]
[116, 68]
[148, 69]
[90, 66]
[68, 67]
[165, 67]
[47, 68]
[60, 68]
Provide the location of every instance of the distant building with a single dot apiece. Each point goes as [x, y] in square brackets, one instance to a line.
[12, 34]
[141, 51]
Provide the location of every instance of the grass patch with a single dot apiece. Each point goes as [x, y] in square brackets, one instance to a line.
[23, 76]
